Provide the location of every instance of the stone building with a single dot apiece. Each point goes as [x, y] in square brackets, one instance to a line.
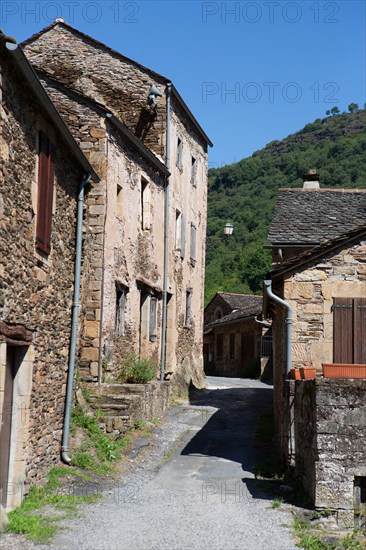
[144, 269]
[232, 336]
[42, 171]
[306, 216]
[323, 298]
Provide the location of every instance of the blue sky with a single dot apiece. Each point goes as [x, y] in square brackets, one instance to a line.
[251, 72]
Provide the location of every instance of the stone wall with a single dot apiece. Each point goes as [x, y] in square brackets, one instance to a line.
[124, 404]
[36, 290]
[311, 292]
[330, 439]
[89, 67]
[217, 306]
[241, 364]
[82, 66]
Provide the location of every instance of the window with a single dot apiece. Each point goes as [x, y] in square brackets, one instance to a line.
[349, 330]
[149, 300]
[193, 245]
[232, 346]
[120, 310]
[219, 346]
[218, 313]
[46, 175]
[119, 201]
[178, 230]
[153, 320]
[183, 237]
[179, 160]
[188, 311]
[145, 205]
[193, 171]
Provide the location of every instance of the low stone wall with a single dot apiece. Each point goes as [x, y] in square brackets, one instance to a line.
[330, 440]
[122, 404]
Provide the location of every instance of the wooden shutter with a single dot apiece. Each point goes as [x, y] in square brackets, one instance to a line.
[193, 245]
[153, 312]
[183, 238]
[343, 330]
[359, 333]
[46, 174]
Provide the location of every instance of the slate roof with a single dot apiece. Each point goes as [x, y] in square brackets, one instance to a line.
[310, 216]
[318, 252]
[246, 312]
[242, 306]
[240, 301]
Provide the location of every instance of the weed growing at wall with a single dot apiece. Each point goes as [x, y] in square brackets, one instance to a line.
[30, 520]
[136, 371]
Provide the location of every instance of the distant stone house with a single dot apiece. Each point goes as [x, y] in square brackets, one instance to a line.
[232, 337]
[144, 271]
[325, 287]
[42, 172]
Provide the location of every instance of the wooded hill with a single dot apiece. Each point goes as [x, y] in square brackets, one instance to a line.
[244, 194]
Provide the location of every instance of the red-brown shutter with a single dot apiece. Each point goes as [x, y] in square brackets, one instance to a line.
[359, 338]
[46, 174]
[343, 330]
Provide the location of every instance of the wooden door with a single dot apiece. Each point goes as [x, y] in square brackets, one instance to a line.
[5, 428]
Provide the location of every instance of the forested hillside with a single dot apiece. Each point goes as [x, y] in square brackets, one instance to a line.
[244, 193]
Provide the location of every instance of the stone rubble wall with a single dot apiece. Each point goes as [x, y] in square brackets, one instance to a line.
[121, 405]
[105, 77]
[311, 292]
[36, 292]
[330, 439]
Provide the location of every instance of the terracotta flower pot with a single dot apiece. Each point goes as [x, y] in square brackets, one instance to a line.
[343, 370]
[307, 373]
[295, 374]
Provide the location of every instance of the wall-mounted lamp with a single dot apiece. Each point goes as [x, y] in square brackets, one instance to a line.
[228, 229]
[152, 98]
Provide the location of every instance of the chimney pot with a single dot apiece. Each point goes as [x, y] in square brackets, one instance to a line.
[311, 179]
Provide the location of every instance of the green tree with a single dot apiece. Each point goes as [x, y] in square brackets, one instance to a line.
[352, 107]
[335, 111]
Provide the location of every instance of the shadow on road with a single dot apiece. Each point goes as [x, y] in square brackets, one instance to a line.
[229, 433]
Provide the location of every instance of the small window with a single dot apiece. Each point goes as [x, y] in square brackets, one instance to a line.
[193, 245]
[219, 346]
[120, 310]
[178, 230]
[145, 205]
[46, 176]
[153, 318]
[179, 160]
[232, 346]
[119, 201]
[188, 312]
[183, 237]
[218, 313]
[193, 172]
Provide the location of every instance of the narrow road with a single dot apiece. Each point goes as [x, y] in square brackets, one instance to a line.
[194, 487]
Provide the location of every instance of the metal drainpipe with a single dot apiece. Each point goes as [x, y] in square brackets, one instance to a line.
[288, 321]
[74, 326]
[166, 237]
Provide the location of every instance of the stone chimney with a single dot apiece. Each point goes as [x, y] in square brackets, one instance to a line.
[311, 179]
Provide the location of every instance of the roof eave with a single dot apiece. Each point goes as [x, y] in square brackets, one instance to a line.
[190, 116]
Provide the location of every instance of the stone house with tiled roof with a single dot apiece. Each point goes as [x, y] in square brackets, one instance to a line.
[317, 302]
[232, 337]
[43, 178]
[144, 270]
[304, 217]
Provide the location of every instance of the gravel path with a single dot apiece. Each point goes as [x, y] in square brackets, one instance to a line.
[193, 487]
